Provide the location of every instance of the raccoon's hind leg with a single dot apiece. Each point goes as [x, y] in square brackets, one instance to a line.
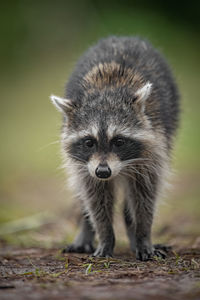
[84, 241]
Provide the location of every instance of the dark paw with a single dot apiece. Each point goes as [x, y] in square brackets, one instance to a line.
[161, 250]
[159, 253]
[144, 253]
[102, 252]
[73, 248]
[162, 247]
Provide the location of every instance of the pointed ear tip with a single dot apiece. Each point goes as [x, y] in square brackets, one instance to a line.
[52, 97]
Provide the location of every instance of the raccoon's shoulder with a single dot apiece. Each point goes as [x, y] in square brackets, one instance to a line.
[120, 61]
[110, 57]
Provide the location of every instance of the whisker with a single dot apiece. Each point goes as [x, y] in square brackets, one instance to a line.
[47, 145]
[131, 175]
[77, 158]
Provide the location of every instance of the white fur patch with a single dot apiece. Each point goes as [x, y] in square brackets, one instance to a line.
[112, 160]
[93, 164]
[75, 135]
[114, 163]
[111, 131]
[139, 134]
[61, 104]
[94, 131]
[144, 92]
[144, 135]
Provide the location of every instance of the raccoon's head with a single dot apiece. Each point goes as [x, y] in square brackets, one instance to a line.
[103, 134]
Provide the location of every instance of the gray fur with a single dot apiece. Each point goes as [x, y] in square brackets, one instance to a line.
[120, 115]
[84, 241]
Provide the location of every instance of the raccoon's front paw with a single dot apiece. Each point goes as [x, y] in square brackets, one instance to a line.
[144, 253]
[162, 247]
[103, 251]
[75, 248]
[161, 250]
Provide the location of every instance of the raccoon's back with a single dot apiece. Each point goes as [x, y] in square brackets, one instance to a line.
[139, 56]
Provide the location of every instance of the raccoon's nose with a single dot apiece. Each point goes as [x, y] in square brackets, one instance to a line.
[103, 171]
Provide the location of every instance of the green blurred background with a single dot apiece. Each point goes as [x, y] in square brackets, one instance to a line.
[40, 43]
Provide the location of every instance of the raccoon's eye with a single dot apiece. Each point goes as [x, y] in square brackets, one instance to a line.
[89, 143]
[118, 142]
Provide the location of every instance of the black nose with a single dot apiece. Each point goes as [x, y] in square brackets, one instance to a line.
[103, 171]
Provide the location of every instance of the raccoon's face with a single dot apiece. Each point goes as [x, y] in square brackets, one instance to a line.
[104, 156]
[102, 140]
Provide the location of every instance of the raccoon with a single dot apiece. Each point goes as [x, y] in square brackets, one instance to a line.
[120, 114]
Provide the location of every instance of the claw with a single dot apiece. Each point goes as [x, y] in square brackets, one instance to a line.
[147, 253]
[160, 254]
[102, 252]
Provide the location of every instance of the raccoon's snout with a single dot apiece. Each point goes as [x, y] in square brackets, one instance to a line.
[103, 171]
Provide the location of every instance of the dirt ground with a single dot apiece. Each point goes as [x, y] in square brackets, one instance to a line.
[33, 267]
[36, 273]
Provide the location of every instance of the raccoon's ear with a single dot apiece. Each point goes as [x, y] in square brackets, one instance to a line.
[142, 95]
[62, 104]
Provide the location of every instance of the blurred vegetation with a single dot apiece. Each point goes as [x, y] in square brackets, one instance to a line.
[40, 43]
